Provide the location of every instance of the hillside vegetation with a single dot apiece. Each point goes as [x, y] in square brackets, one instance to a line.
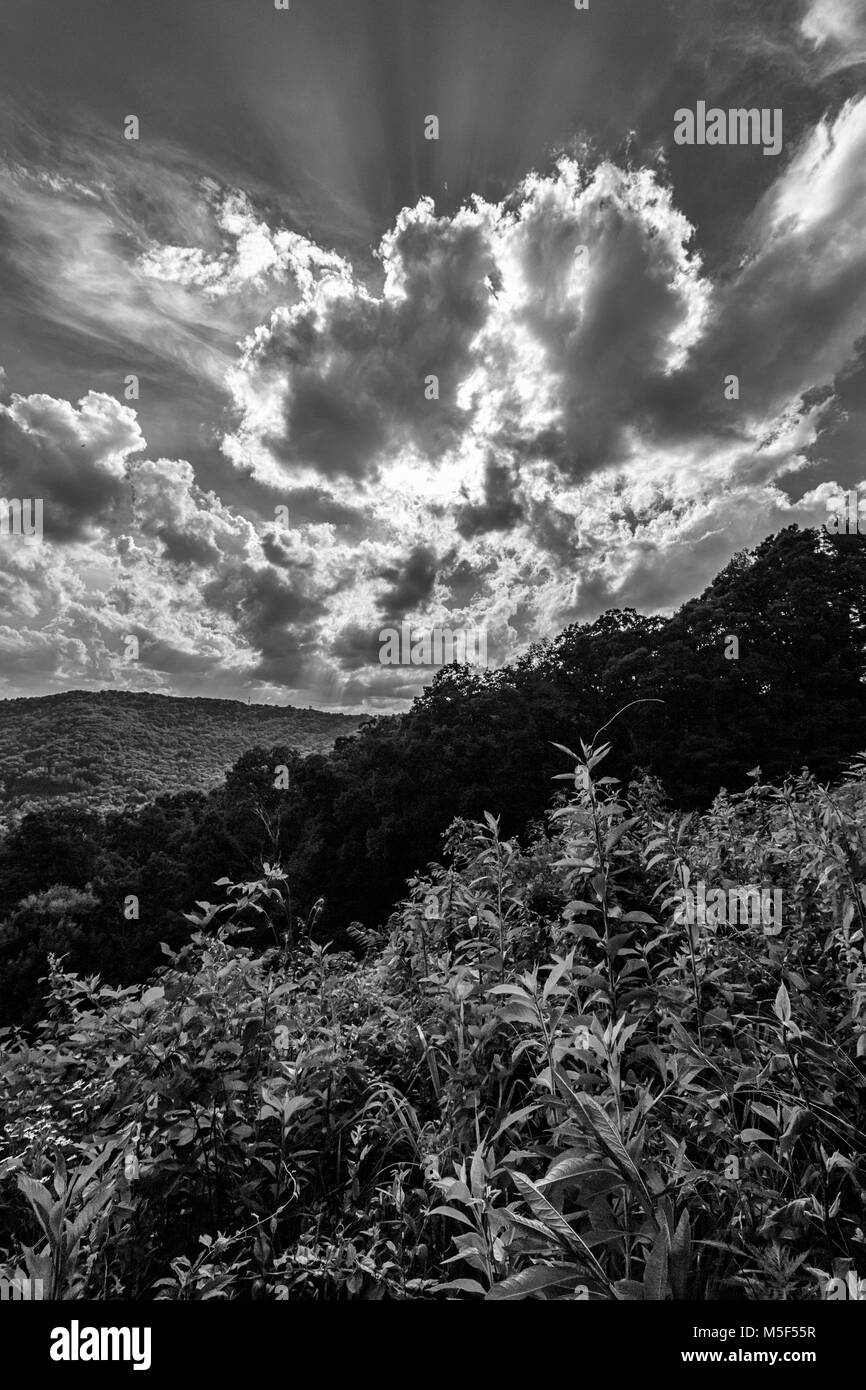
[106, 749]
[354, 823]
[538, 1080]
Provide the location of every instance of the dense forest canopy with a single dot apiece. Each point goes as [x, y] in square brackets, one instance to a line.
[112, 748]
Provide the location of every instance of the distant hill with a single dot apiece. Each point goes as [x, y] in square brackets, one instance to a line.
[116, 748]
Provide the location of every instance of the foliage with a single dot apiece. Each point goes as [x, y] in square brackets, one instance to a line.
[113, 748]
[538, 1081]
[351, 825]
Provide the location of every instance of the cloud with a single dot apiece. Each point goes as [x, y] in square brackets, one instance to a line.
[28, 658]
[838, 25]
[75, 460]
[795, 310]
[500, 510]
[513, 419]
[411, 583]
[533, 324]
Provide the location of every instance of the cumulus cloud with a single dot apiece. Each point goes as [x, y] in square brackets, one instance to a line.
[515, 419]
[535, 325]
[73, 459]
[252, 255]
[28, 658]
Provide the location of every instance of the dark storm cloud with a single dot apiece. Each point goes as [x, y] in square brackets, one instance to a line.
[73, 459]
[465, 581]
[157, 655]
[500, 510]
[411, 584]
[261, 601]
[275, 615]
[355, 647]
[185, 549]
[277, 550]
[839, 450]
[358, 369]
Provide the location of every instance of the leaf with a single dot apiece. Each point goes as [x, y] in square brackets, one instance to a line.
[569, 1165]
[583, 930]
[629, 1290]
[534, 1280]
[801, 1120]
[766, 1112]
[655, 1279]
[608, 1137]
[528, 1223]
[292, 1105]
[556, 975]
[513, 991]
[89, 1212]
[454, 1214]
[37, 1194]
[653, 1052]
[517, 1117]
[39, 1200]
[60, 1176]
[554, 1224]
[463, 1286]
[478, 1172]
[782, 1005]
[518, 1013]
[615, 834]
[40, 1267]
[553, 1220]
[681, 1255]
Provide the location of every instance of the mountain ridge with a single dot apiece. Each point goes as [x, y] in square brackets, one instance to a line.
[105, 749]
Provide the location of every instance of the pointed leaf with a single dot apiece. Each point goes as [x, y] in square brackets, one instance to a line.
[782, 1005]
[655, 1279]
[681, 1255]
[535, 1280]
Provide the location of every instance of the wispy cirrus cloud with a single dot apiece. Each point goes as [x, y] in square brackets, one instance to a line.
[838, 29]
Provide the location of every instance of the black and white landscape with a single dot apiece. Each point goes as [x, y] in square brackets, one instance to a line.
[432, 647]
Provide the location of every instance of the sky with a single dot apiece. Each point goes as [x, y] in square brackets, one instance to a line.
[285, 372]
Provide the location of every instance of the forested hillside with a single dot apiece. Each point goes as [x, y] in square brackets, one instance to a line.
[113, 748]
[352, 825]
